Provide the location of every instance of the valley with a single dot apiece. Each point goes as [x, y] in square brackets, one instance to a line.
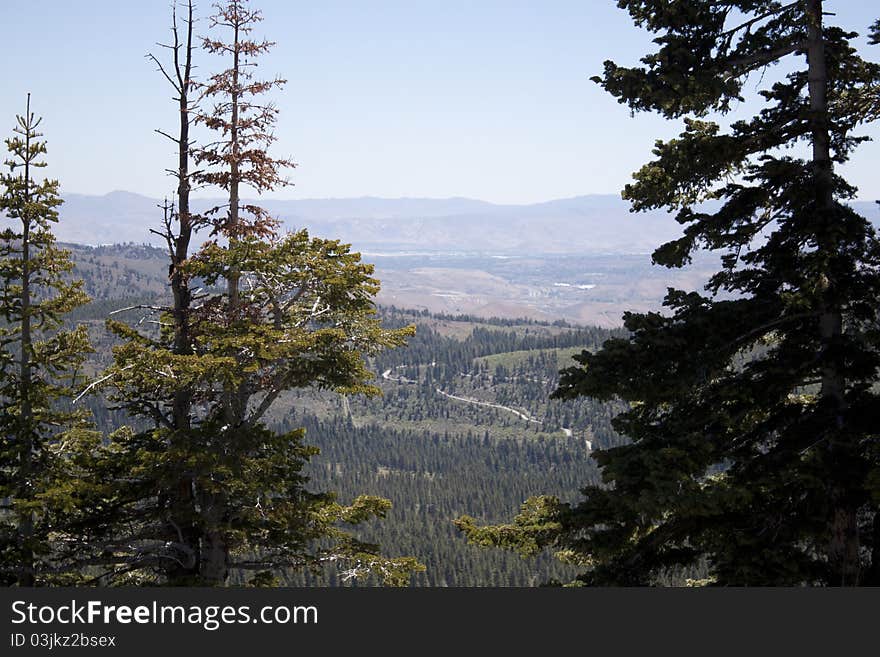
[464, 424]
[589, 289]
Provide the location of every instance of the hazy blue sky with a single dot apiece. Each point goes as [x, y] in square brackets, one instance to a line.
[481, 98]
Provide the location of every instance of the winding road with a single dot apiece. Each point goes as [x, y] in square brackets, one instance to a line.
[477, 402]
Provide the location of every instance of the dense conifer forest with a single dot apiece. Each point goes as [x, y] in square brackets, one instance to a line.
[433, 457]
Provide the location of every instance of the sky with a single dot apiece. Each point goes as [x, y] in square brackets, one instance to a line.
[484, 99]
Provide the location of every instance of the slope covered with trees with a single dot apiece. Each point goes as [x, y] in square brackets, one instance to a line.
[434, 457]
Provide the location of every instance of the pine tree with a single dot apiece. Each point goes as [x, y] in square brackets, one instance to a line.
[202, 489]
[753, 407]
[38, 363]
[309, 299]
[239, 156]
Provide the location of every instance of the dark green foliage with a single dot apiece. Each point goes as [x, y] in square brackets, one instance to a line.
[437, 458]
[753, 407]
[433, 477]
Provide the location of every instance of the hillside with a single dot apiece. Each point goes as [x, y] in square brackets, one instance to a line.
[464, 425]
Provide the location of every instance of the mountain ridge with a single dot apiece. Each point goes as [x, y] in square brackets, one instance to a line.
[595, 223]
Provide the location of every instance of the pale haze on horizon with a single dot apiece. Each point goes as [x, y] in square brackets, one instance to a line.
[488, 100]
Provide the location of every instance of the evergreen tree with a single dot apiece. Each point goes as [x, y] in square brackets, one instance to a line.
[753, 408]
[306, 317]
[38, 363]
[202, 488]
[238, 156]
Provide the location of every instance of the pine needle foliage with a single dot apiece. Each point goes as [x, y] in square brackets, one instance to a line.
[39, 366]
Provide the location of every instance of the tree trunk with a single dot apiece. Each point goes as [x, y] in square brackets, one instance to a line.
[234, 173]
[181, 500]
[215, 551]
[26, 438]
[873, 576]
[843, 546]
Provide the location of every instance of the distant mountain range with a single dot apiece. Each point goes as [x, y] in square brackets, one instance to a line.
[583, 224]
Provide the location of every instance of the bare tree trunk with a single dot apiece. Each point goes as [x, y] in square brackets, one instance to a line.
[181, 499]
[843, 547]
[179, 281]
